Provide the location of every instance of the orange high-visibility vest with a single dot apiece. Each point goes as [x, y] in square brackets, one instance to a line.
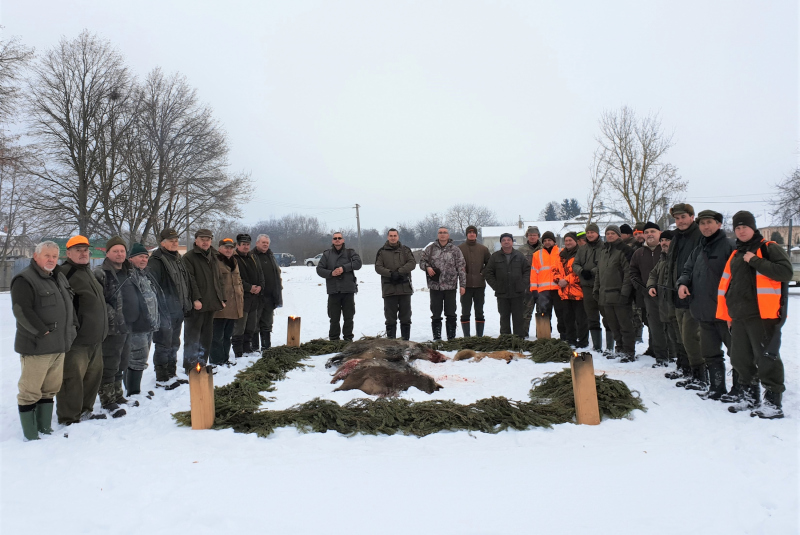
[572, 291]
[768, 292]
[542, 268]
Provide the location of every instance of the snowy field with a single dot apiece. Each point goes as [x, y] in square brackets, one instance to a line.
[684, 466]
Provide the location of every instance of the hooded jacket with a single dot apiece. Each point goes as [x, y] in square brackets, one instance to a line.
[564, 271]
[702, 272]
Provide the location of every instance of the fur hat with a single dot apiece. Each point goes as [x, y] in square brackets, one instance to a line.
[650, 225]
[745, 218]
[116, 240]
[624, 229]
[136, 250]
[681, 208]
[615, 229]
[593, 227]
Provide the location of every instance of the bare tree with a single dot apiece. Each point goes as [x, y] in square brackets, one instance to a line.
[787, 202]
[77, 101]
[632, 163]
[14, 57]
[460, 216]
[597, 173]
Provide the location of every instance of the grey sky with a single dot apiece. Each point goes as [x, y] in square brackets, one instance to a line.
[408, 107]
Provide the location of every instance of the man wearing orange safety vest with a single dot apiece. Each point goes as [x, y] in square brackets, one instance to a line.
[571, 294]
[545, 263]
[752, 298]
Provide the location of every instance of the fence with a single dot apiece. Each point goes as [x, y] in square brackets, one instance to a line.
[11, 268]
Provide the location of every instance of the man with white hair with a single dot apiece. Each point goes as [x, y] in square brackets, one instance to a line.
[271, 292]
[42, 305]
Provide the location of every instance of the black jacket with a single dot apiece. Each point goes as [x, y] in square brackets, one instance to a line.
[348, 260]
[682, 245]
[273, 285]
[170, 274]
[122, 301]
[251, 274]
[42, 302]
[702, 272]
[642, 263]
[510, 278]
[89, 303]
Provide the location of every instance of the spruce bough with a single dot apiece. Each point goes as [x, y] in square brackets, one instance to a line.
[551, 398]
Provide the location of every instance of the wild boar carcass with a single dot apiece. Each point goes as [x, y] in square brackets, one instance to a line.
[379, 380]
[385, 349]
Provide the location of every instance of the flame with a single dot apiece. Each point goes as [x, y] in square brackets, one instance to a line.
[575, 353]
[292, 317]
[197, 367]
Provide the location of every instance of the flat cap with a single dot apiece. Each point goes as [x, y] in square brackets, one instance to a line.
[168, 234]
[710, 214]
[203, 233]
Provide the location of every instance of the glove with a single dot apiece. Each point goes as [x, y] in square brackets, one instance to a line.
[396, 277]
[586, 275]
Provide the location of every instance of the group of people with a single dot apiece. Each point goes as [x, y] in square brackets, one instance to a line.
[83, 333]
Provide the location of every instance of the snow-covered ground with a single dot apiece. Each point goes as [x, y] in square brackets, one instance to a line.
[685, 466]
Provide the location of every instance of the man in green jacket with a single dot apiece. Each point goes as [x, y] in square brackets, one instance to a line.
[508, 273]
[394, 263]
[42, 303]
[207, 298]
[585, 266]
[613, 291]
[531, 245]
[476, 256]
[83, 363]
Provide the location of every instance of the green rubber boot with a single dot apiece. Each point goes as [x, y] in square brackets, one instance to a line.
[27, 417]
[44, 416]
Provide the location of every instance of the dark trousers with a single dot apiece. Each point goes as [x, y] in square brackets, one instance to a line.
[548, 301]
[576, 327]
[620, 322]
[755, 345]
[245, 330]
[116, 353]
[473, 297]
[689, 331]
[221, 340]
[443, 300]
[83, 371]
[140, 350]
[341, 305]
[656, 329]
[266, 313]
[713, 334]
[198, 333]
[168, 341]
[674, 344]
[528, 304]
[592, 309]
[511, 311]
[397, 307]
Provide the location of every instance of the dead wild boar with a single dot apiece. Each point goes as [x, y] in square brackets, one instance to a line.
[385, 349]
[385, 381]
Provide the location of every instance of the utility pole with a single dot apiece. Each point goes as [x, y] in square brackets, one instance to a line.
[789, 241]
[358, 226]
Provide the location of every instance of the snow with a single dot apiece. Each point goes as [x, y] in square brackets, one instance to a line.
[686, 465]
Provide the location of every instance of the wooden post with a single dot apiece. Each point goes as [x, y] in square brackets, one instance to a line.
[293, 332]
[542, 327]
[201, 394]
[585, 389]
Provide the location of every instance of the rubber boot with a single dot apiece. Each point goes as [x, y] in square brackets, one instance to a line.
[405, 331]
[479, 327]
[27, 417]
[133, 381]
[682, 371]
[751, 399]
[237, 344]
[716, 378]
[597, 339]
[450, 326]
[172, 369]
[436, 327]
[118, 390]
[391, 331]
[465, 329]
[247, 345]
[609, 352]
[254, 342]
[771, 407]
[108, 394]
[44, 416]
[266, 341]
[698, 380]
[735, 394]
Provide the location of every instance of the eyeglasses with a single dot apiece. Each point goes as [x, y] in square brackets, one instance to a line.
[338, 238]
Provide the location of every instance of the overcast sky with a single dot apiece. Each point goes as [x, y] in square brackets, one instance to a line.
[409, 107]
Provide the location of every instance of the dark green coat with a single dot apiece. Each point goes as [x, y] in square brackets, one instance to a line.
[658, 280]
[508, 279]
[204, 278]
[612, 286]
[89, 303]
[702, 272]
[42, 302]
[586, 261]
[397, 258]
[741, 296]
[170, 274]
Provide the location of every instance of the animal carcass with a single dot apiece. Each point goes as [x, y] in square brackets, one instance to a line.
[383, 367]
[507, 356]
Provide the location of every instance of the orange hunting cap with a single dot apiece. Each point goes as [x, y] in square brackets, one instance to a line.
[77, 240]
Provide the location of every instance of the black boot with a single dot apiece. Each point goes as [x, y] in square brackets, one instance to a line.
[679, 373]
[254, 342]
[405, 331]
[450, 326]
[266, 342]
[698, 380]
[237, 344]
[751, 399]
[479, 327]
[247, 345]
[391, 331]
[716, 378]
[628, 357]
[172, 369]
[133, 381]
[436, 327]
[770, 409]
[597, 339]
[609, 351]
[465, 329]
[735, 394]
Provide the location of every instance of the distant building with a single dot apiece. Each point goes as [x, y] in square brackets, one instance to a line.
[784, 232]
